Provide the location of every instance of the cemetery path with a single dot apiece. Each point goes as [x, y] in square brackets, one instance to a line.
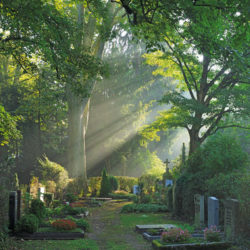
[108, 231]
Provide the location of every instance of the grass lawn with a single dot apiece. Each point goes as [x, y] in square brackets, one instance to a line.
[58, 244]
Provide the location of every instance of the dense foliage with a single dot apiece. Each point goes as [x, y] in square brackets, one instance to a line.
[218, 168]
[105, 184]
[28, 223]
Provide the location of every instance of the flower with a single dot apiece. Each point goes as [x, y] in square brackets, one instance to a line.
[175, 235]
[212, 233]
[64, 224]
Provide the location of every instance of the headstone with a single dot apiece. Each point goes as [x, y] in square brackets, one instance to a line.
[136, 189]
[12, 209]
[199, 210]
[168, 183]
[19, 204]
[40, 193]
[213, 211]
[230, 219]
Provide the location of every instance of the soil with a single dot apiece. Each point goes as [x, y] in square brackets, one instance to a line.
[108, 232]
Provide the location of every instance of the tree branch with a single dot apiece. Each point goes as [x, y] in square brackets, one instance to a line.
[182, 70]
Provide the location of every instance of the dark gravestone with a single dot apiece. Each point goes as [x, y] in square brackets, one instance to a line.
[19, 204]
[213, 211]
[12, 209]
[231, 217]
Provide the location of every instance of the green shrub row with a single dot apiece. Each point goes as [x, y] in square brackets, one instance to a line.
[119, 196]
[143, 208]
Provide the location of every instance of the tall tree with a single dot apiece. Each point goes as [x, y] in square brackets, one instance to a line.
[204, 46]
[94, 25]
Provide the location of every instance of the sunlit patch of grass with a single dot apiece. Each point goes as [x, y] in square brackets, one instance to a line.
[116, 245]
[58, 244]
[131, 220]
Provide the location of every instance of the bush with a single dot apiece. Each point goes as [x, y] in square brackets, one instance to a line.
[175, 235]
[28, 223]
[143, 208]
[70, 197]
[38, 209]
[148, 182]
[80, 223]
[146, 198]
[56, 203]
[212, 234]
[94, 185]
[68, 210]
[126, 183]
[105, 185]
[113, 182]
[64, 224]
[52, 171]
[48, 199]
[216, 168]
[119, 195]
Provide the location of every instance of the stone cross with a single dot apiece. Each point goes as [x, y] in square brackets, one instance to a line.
[230, 219]
[199, 220]
[213, 211]
[167, 168]
[12, 209]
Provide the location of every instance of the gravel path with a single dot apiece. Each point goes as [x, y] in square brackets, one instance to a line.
[108, 232]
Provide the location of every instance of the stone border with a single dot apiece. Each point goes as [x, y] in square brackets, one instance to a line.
[150, 237]
[193, 246]
[51, 235]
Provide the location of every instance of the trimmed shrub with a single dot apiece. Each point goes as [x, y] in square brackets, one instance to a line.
[126, 183]
[105, 184]
[119, 195]
[28, 223]
[113, 182]
[38, 209]
[143, 208]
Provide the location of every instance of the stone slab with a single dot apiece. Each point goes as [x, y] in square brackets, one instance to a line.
[192, 246]
[51, 235]
[143, 228]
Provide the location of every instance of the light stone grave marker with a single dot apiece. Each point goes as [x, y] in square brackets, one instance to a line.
[213, 211]
[199, 210]
[230, 219]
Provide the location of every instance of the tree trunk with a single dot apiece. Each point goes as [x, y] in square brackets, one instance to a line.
[77, 132]
[194, 141]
